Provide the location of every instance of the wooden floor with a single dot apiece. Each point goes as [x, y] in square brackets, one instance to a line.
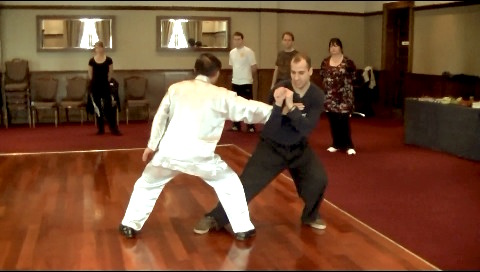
[60, 211]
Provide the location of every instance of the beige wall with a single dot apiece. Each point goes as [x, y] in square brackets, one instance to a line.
[444, 39]
[373, 41]
[447, 40]
[313, 32]
[135, 43]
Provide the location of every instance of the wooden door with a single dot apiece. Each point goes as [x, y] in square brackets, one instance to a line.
[396, 51]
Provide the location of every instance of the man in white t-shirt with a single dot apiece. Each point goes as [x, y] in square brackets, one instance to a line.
[244, 67]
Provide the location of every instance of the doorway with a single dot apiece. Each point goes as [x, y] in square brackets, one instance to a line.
[397, 44]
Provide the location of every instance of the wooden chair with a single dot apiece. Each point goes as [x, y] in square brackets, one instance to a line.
[44, 93]
[135, 95]
[16, 89]
[76, 96]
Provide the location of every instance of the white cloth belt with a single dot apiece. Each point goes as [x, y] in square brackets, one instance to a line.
[369, 76]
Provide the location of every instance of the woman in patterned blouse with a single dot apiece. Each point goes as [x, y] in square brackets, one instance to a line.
[338, 74]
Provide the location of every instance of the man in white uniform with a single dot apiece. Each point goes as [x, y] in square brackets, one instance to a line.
[244, 68]
[185, 132]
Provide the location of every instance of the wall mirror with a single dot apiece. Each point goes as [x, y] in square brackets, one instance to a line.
[57, 33]
[193, 33]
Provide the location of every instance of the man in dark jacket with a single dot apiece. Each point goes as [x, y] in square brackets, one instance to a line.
[297, 105]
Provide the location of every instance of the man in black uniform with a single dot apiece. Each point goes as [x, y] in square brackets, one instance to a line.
[297, 105]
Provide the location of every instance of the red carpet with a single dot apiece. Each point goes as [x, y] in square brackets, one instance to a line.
[427, 201]
[72, 137]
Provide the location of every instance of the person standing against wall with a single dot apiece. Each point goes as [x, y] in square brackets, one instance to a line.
[100, 70]
[244, 70]
[284, 57]
[337, 74]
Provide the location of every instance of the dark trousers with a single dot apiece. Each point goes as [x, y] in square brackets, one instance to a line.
[245, 91]
[340, 130]
[269, 160]
[107, 111]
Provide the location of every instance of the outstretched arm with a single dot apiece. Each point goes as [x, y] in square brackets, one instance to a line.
[248, 111]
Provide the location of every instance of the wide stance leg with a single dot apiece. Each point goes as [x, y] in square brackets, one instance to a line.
[311, 181]
[145, 193]
[231, 194]
[264, 165]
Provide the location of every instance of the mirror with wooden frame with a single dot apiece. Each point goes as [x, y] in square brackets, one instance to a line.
[66, 33]
[193, 33]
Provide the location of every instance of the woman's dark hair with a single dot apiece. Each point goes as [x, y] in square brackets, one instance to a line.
[207, 65]
[335, 41]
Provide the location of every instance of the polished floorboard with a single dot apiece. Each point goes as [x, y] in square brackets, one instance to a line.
[60, 211]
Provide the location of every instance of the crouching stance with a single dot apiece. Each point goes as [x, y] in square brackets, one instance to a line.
[297, 105]
[185, 132]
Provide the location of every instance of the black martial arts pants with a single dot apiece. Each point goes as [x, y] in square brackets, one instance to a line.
[269, 160]
[107, 111]
[245, 91]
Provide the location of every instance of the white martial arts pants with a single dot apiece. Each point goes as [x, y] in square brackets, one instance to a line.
[226, 184]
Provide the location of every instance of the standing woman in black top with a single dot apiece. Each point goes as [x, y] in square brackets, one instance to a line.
[100, 69]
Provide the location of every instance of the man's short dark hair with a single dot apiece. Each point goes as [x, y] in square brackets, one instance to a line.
[301, 56]
[207, 65]
[289, 34]
[239, 34]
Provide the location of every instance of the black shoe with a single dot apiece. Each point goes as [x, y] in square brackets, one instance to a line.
[100, 132]
[127, 231]
[206, 224]
[117, 133]
[245, 235]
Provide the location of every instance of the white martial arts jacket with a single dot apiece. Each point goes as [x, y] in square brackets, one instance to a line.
[190, 120]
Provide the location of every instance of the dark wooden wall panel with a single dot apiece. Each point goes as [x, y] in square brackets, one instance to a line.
[415, 85]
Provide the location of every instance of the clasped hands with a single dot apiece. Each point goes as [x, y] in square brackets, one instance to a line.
[282, 94]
